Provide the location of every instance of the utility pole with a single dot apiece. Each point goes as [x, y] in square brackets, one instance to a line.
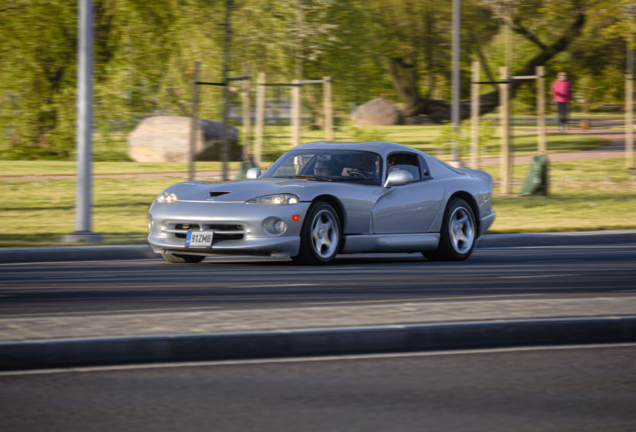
[226, 89]
[629, 96]
[455, 112]
[247, 114]
[474, 115]
[193, 121]
[82, 233]
[260, 118]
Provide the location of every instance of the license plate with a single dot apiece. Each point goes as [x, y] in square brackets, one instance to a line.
[200, 239]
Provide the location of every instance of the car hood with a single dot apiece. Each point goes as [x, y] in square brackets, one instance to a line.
[243, 190]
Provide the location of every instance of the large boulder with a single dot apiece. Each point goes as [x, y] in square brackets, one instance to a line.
[167, 139]
[377, 112]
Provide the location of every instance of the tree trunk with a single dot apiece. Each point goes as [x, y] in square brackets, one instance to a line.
[405, 78]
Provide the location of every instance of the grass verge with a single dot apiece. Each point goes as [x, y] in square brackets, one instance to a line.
[585, 195]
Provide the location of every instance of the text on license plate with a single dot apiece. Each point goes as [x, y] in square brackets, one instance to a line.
[199, 239]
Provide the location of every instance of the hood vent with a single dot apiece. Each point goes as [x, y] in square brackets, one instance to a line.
[216, 194]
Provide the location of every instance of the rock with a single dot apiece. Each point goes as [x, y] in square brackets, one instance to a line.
[377, 112]
[167, 139]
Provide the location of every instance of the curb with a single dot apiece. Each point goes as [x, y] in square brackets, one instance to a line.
[74, 253]
[577, 238]
[312, 342]
[142, 251]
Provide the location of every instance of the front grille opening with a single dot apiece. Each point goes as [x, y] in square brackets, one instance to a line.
[216, 194]
[187, 226]
[217, 227]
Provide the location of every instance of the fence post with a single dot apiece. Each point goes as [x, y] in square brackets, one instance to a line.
[260, 118]
[504, 106]
[543, 145]
[247, 115]
[296, 114]
[328, 108]
[193, 120]
[629, 121]
[474, 113]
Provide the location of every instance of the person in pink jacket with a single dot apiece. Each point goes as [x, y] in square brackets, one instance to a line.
[562, 95]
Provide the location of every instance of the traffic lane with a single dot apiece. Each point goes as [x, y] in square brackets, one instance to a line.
[154, 286]
[560, 388]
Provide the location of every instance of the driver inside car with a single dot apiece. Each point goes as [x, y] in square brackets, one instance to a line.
[367, 167]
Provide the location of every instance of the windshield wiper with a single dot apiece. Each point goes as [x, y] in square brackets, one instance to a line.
[308, 177]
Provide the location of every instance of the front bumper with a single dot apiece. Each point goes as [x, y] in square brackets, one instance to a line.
[253, 237]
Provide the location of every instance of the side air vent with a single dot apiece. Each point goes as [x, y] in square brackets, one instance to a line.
[216, 194]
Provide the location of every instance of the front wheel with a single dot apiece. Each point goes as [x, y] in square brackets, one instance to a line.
[320, 236]
[182, 259]
[458, 235]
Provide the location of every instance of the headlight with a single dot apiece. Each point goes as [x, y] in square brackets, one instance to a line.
[278, 199]
[167, 197]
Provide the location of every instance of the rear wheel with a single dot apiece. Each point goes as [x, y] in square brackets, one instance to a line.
[182, 259]
[458, 235]
[320, 236]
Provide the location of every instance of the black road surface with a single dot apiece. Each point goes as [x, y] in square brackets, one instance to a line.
[570, 389]
[104, 287]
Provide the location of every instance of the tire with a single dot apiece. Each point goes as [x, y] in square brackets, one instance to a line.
[182, 259]
[458, 235]
[320, 236]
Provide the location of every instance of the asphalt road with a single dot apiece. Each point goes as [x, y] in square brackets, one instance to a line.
[557, 389]
[106, 287]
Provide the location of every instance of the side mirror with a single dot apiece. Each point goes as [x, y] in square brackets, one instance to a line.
[253, 173]
[398, 177]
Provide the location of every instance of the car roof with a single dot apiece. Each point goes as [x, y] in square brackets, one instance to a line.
[383, 148]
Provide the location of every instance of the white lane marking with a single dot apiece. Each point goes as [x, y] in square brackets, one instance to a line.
[271, 286]
[422, 299]
[105, 313]
[120, 261]
[551, 261]
[313, 359]
[535, 276]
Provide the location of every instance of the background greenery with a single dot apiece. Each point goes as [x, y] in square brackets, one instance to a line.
[145, 51]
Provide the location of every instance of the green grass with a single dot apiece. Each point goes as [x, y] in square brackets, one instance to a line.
[22, 168]
[276, 142]
[585, 195]
[422, 138]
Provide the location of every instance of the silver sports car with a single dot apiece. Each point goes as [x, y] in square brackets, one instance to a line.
[324, 198]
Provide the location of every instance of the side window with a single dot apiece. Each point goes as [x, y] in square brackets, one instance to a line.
[426, 173]
[406, 162]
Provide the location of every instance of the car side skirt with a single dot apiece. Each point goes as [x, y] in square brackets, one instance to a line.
[390, 243]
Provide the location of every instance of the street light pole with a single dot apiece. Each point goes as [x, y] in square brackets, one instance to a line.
[455, 110]
[82, 233]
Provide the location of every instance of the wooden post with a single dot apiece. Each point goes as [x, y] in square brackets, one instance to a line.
[296, 114]
[629, 121]
[474, 114]
[260, 118]
[543, 145]
[193, 121]
[328, 109]
[504, 107]
[247, 115]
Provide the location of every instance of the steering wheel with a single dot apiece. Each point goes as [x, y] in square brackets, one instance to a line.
[356, 173]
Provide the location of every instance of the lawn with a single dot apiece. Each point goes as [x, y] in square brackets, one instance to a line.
[585, 195]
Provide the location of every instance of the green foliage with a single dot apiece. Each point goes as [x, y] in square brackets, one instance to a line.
[443, 142]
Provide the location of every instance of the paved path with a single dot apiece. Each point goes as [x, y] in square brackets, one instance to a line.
[614, 150]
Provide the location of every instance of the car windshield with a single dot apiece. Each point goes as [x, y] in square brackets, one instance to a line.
[328, 165]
